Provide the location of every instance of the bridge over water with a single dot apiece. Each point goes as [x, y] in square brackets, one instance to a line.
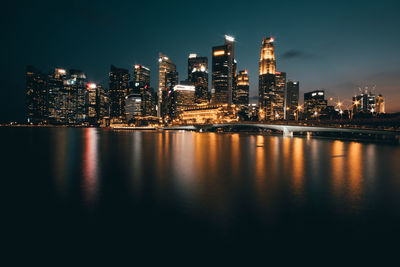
[287, 130]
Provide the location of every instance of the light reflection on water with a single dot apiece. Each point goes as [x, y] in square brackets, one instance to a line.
[90, 165]
[221, 177]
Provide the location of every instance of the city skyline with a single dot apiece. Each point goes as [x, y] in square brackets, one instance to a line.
[315, 56]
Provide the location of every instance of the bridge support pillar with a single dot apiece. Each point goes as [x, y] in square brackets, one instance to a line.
[287, 133]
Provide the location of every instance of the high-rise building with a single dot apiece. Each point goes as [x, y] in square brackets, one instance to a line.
[279, 95]
[315, 103]
[57, 97]
[77, 85]
[133, 106]
[141, 76]
[196, 63]
[119, 87]
[292, 99]
[272, 85]
[36, 96]
[141, 81]
[223, 71]
[241, 90]
[149, 102]
[104, 103]
[171, 80]
[183, 96]
[93, 103]
[166, 74]
[198, 77]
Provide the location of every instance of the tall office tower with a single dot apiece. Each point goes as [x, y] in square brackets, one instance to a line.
[119, 86]
[292, 99]
[149, 102]
[93, 103]
[223, 71]
[279, 95]
[379, 104]
[198, 77]
[141, 76]
[171, 79]
[165, 65]
[241, 91]
[78, 94]
[315, 103]
[141, 80]
[104, 103]
[267, 82]
[36, 96]
[183, 96]
[196, 63]
[57, 97]
[133, 106]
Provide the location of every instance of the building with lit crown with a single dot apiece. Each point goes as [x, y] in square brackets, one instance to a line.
[269, 96]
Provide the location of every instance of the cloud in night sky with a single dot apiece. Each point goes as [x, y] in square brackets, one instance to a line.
[294, 53]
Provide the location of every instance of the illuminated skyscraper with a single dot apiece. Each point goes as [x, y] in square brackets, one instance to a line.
[223, 71]
[119, 86]
[57, 97]
[279, 95]
[267, 59]
[36, 96]
[141, 80]
[241, 91]
[93, 103]
[77, 97]
[165, 68]
[270, 96]
[171, 80]
[141, 76]
[183, 96]
[292, 99]
[198, 76]
[133, 106]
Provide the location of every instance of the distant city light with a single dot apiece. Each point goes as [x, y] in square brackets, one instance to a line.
[181, 87]
[229, 38]
[219, 53]
[91, 85]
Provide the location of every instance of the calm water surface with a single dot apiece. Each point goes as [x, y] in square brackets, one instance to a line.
[88, 188]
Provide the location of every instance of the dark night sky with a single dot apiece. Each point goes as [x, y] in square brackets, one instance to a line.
[335, 45]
